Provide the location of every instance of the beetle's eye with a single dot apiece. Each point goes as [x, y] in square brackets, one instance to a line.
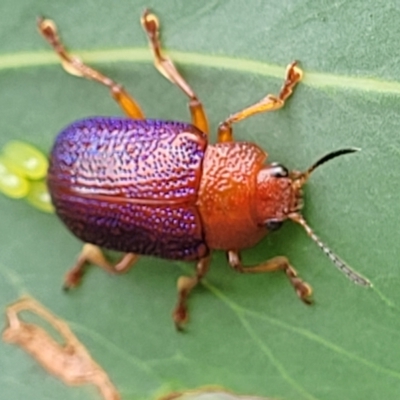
[278, 170]
[273, 224]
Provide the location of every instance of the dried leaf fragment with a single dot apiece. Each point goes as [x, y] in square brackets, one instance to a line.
[70, 361]
[209, 393]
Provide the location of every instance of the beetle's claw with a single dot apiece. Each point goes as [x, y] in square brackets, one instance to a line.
[180, 317]
[180, 327]
[303, 290]
[307, 300]
[72, 279]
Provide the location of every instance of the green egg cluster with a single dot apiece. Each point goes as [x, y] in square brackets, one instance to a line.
[23, 169]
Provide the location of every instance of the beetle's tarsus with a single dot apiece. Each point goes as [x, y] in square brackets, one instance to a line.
[303, 290]
[72, 279]
[180, 315]
[179, 324]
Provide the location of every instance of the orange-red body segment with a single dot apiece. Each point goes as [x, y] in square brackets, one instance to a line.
[227, 194]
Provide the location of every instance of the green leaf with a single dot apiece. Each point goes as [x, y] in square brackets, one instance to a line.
[248, 334]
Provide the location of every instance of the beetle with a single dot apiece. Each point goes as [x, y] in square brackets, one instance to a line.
[154, 187]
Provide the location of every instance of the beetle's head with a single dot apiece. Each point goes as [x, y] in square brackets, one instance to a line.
[279, 197]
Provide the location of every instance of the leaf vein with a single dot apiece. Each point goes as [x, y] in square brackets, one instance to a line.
[315, 79]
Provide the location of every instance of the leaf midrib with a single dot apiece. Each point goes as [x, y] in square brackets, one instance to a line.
[143, 55]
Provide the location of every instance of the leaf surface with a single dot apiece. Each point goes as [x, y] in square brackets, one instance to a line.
[248, 334]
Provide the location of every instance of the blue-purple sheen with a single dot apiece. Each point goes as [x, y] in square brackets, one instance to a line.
[130, 185]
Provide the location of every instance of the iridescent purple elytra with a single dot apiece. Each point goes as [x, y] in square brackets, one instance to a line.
[131, 185]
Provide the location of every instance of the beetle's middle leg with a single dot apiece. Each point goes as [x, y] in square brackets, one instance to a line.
[74, 66]
[269, 103]
[185, 285]
[303, 289]
[167, 68]
[92, 254]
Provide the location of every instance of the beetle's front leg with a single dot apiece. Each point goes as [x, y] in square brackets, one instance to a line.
[302, 288]
[269, 103]
[185, 285]
[74, 66]
[92, 254]
[167, 68]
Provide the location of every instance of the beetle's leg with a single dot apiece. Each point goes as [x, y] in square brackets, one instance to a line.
[185, 285]
[74, 66]
[92, 254]
[167, 68]
[269, 103]
[302, 288]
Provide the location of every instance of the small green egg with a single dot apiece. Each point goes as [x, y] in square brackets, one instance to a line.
[12, 184]
[39, 197]
[28, 160]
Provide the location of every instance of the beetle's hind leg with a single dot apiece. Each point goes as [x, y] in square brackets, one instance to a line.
[167, 68]
[269, 103]
[303, 289]
[185, 285]
[74, 66]
[92, 254]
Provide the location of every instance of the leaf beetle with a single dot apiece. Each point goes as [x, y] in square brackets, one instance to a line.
[155, 187]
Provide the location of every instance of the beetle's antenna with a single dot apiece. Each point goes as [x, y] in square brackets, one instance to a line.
[339, 263]
[302, 178]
